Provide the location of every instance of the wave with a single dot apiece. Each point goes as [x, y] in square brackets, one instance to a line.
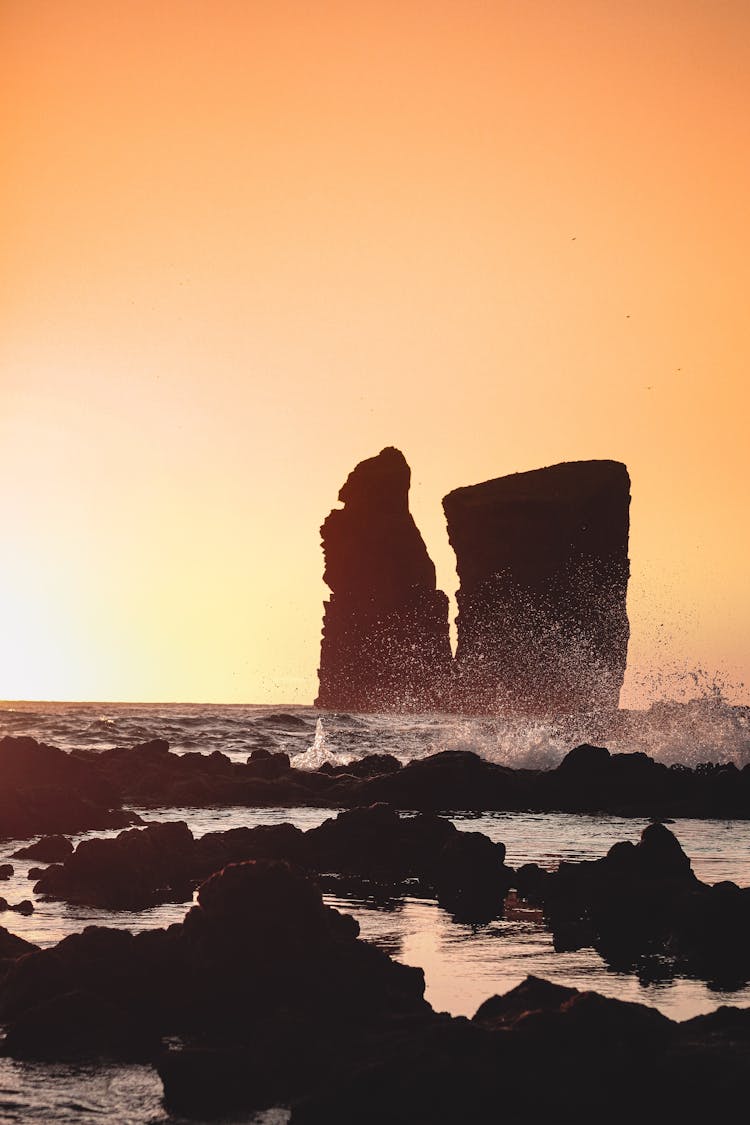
[705, 728]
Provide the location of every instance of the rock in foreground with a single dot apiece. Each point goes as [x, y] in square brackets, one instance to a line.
[278, 1002]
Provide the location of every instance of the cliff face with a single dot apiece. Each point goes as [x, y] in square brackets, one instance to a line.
[385, 629]
[542, 559]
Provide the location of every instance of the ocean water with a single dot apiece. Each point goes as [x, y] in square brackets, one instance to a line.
[463, 964]
[704, 729]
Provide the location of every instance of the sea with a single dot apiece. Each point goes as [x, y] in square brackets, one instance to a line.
[463, 964]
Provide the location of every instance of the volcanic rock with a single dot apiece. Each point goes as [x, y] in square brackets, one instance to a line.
[136, 869]
[385, 643]
[542, 559]
[43, 789]
[77, 1025]
[12, 946]
[50, 849]
[641, 907]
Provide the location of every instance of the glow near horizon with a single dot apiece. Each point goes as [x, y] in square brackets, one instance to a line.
[248, 248]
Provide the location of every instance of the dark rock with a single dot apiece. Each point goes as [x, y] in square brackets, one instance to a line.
[6, 870]
[44, 790]
[26, 906]
[136, 869]
[372, 765]
[642, 901]
[531, 883]
[660, 855]
[583, 761]
[277, 841]
[438, 1072]
[533, 994]
[262, 764]
[451, 779]
[385, 640]
[590, 1021]
[156, 748]
[542, 559]
[279, 1003]
[629, 785]
[50, 849]
[77, 1025]
[723, 1023]
[379, 845]
[12, 946]
[471, 878]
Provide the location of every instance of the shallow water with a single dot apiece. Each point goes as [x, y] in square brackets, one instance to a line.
[71, 1094]
[463, 964]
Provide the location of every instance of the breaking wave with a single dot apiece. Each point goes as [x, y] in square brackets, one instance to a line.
[702, 728]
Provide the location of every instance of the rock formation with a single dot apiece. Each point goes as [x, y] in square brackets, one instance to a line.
[542, 559]
[385, 640]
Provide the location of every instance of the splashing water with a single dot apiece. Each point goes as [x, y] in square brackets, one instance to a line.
[697, 725]
[320, 752]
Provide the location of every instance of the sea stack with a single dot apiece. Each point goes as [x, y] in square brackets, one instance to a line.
[542, 559]
[385, 643]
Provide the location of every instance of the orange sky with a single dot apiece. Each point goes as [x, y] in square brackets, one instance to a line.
[248, 244]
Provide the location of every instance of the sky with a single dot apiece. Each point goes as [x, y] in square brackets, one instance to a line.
[246, 245]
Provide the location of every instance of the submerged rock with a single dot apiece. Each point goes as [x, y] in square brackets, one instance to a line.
[385, 643]
[135, 870]
[542, 559]
[277, 1001]
[365, 848]
[50, 849]
[642, 903]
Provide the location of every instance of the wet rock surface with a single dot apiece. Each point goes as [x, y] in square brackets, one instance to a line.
[259, 943]
[642, 908]
[588, 780]
[278, 1002]
[44, 790]
[542, 559]
[50, 849]
[370, 846]
[385, 639]
[133, 871]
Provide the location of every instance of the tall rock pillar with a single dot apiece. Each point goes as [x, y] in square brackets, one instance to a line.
[542, 559]
[385, 643]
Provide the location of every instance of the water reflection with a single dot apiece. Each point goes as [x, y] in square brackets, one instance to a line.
[463, 964]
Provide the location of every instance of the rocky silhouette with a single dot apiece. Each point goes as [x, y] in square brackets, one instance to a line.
[264, 996]
[542, 559]
[385, 631]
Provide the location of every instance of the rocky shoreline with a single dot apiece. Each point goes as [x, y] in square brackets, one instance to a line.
[264, 996]
[640, 907]
[44, 790]
[269, 997]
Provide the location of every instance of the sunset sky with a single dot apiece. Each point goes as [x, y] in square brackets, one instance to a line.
[248, 244]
